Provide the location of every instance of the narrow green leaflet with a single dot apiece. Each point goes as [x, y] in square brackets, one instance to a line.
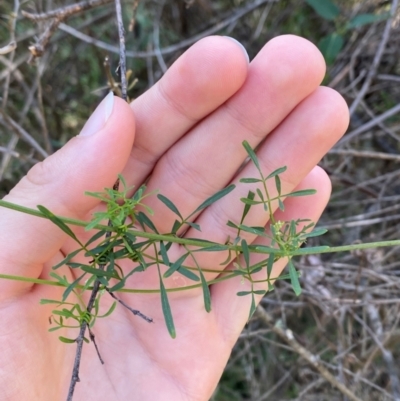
[111, 310]
[169, 205]
[330, 46]
[188, 273]
[71, 287]
[250, 180]
[276, 172]
[250, 197]
[252, 307]
[67, 340]
[164, 254]
[246, 254]
[99, 273]
[303, 192]
[325, 8]
[251, 154]
[175, 266]
[214, 198]
[250, 202]
[95, 237]
[316, 233]
[278, 184]
[58, 222]
[67, 259]
[294, 278]
[169, 321]
[145, 221]
[243, 293]
[365, 19]
[206, 292]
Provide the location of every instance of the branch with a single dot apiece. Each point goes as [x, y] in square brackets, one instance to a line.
[313, 360]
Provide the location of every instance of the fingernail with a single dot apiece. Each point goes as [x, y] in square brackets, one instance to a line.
[241, 46]
[99, 117]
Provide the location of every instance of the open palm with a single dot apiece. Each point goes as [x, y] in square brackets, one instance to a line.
[184, 137]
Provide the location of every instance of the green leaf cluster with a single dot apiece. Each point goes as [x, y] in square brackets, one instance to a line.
[332, 43]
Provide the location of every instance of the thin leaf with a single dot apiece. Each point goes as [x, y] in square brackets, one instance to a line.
[246, 254]
[270, 264]
[243, 293]
[97, 272]
[252, 307]
[325, 8]
[251, 154]
[294, 279]
[169, 321]
[316, 233]
[250, 202]
[281, 205]
[220, 194]
[276, 172]
[111, 310]
[67, 259]
[97, 218]
[250, 180]
[194, 225]
[71, 287]
[259, 292]
[206, 292]
[169, 205]
[177, 225]
[302, 192]
[95, 237]
[365, 19]
[330, 46]
[250, 196]
[260, 194]
[213, 248]
[49, 301]
[164, 254]
[278, 184]
[145, 221]
[188, 274]
[175, 266]
[67, 340]
[58, 222]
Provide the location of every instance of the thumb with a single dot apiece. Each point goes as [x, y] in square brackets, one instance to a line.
[88, 162]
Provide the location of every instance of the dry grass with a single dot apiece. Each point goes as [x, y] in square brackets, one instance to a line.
[347, 317]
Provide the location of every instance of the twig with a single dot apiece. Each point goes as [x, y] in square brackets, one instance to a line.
[96, 286]
[173, 48]
[372, 123]
[93, 339]
[64, 12]
[134, 311]
[377, 58]
[365, 153]
[6, 120]
[122, 51]
[287, 336]
[377, 335]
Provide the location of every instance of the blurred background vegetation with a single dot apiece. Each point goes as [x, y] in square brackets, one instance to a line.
[347, 318]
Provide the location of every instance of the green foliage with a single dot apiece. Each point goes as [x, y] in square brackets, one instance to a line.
[132, 236]
[332, 43]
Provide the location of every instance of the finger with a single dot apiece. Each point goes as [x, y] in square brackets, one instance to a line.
[298, 143]
[203, 78]
[88, 162]
[231, 310]
[207, 158]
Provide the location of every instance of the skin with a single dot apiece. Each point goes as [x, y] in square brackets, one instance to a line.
[184, 133]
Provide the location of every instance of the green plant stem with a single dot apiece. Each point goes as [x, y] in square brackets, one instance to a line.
[203, 244]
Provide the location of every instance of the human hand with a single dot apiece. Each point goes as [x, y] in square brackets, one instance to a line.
[186, 134]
